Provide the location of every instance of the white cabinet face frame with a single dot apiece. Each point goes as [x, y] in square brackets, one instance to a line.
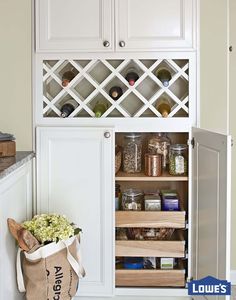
[75, 177]
[62, 26]
[156, 25]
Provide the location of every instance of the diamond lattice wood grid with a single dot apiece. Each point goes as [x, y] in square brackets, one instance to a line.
[93, 79]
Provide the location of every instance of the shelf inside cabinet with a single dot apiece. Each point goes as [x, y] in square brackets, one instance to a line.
[150, 278]
[150, 219]
[122, 176]
[134, 248]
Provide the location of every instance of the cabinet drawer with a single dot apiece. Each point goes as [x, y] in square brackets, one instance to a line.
[150, 278]
[150, 248]
[151, 219]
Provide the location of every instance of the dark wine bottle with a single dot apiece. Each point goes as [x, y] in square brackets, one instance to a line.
[115, 92]
[67, 77]
[132, 76]
[68, 108]
[164, 75]
[99, 108]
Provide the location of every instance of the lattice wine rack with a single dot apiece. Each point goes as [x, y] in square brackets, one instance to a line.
[94, 78]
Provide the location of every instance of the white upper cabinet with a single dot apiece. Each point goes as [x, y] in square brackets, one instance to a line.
[88, 26]
[154, 24]
[74, 25]
[211, 205]
[75, 178]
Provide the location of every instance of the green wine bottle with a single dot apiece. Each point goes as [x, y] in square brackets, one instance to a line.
[99, 108]
[164, 75]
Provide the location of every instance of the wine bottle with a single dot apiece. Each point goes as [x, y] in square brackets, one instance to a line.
[132, 76]
[115, 92]
[163, 106]
[164, 75]
[67, 77]
[99, 108]
[68, 108]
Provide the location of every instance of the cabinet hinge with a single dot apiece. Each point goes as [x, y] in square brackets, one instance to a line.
[232, 142]
[191, 142]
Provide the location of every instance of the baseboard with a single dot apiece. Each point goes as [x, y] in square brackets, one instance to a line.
[233, 277]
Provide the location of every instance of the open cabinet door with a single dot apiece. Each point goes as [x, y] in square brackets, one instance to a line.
[211, 206]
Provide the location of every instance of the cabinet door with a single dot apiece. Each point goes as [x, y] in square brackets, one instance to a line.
[16, 195]
[74, 25]
[154, 24]
[75, 178]
[211, 205]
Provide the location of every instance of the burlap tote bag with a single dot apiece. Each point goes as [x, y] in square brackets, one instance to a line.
[51, 272]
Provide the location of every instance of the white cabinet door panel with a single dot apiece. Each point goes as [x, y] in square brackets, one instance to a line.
[211, 205]
[75, 178]
[74, 25]
[154, 24]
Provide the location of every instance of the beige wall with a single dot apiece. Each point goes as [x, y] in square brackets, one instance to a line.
[15, 74]
[213, 65]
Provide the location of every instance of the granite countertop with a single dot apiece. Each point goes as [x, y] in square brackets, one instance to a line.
[10, 164]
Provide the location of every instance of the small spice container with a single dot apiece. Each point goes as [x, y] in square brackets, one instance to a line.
[178, 159]
[132, 199]
[152, 202]
[153, 164]
[170, 200]
[167, 263]
[132, 153]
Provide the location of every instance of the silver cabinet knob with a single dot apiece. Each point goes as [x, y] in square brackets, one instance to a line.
[107, 134]
[106, 44]
[122, 44]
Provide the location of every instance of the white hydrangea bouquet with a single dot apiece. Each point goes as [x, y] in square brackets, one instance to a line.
[49, 259]
[48, 228]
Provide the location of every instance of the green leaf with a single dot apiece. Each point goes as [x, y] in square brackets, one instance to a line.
[77, 231]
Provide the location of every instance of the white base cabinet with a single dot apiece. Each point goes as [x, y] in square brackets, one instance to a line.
[75, 177]
[16, 196]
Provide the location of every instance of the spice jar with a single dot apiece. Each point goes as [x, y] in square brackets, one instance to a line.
[159, 143]
[178, 159]
[132, 153]
[153, 164]
[132, 199]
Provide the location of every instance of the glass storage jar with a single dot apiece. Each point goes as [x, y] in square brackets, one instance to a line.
[132, 153]
[159, 143]
[132, 199]
[178, 158]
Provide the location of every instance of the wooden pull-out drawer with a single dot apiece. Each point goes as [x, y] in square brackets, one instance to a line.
[151, 219]
[150, 278]
[150, 248]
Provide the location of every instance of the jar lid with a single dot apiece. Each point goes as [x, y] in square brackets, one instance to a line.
[133, 135]
[153, 155]
[133, 192]
[178, 147]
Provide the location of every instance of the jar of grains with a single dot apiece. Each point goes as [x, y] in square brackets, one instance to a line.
[132, 153]
[159, 143]
[178, 159]
[132, 199]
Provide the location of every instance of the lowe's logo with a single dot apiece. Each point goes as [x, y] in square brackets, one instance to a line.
[209, 286]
